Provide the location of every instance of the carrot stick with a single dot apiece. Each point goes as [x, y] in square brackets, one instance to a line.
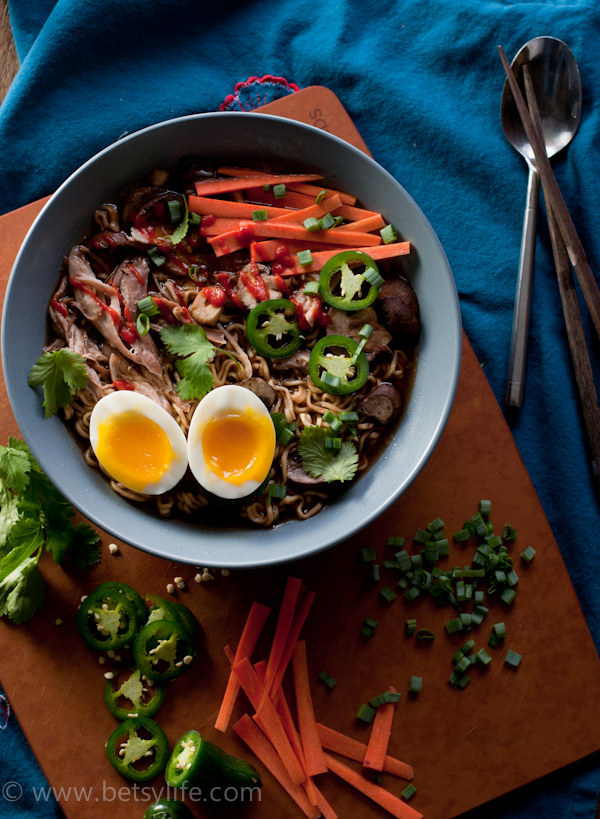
[210, 187]
[385, 799]
[351, 748]
[311, 744]
[292, 199]
[320, 257]
[299, 618]
[250, 634]
[353, 213]
[205, 205]
[238, 239]
[315, 210]
[326, 810]
[369, 223]
[262, 748]
[379, 738]
[282, 629]
[271, 250]
[265, 710]
[314, 190]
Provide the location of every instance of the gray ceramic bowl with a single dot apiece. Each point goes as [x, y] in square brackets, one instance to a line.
[231, 137]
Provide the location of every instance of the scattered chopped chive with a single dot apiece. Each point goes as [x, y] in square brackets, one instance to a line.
[286, 436]
[421, 536]
[148, 306]
[156, 256]
[479, 524]
[424, 634]
[367, 632]
[499, 629]
[404, 561]
[415, 685]
[387, 594]
[312, 224]
[470, 644]
[461, 536]
[338, 220]
[389, 564]
[320, 196]
[142, 324]
[409, 791]
[494, 641]
[483, 657]
[327, 221]
[276, 490]
[412, 593]
[512, 578]
[305, 258]
[383, 699]
[485, 507]
[174, 207]
[508, 532]
[368, 554]
[348, 415]
[373, 277]
[365, 713]
[193, 272]
[331, 380]
[371, 622]
[436, 524]
[267, 187]
[333, 442]
[454, 626]
[279, 190]
[372, 576]
[494, 541]
[388, 234]
[260, 215]
[194, 218]
[513, 659]
[508, 596]
[528, 554]
[462, 665]
[365, 331]
[327, 679]
[410, 627]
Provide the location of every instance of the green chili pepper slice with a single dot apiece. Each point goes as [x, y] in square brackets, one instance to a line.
[350, 280]
[334, 367]
[138, 749]
[127, 695]
[168, 809]
[195, 762]
[161, 609]
[107, 619]
[163, 649]
[272, 328]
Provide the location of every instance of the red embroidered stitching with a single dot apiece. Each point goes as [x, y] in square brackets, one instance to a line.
[257, 91]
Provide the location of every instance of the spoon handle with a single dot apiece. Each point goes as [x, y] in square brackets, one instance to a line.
[518, 350]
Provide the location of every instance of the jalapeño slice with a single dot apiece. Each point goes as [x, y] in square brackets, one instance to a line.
[350, 280]
[163, 649]
[128, 695]
[272, 328]
[138, 749]
[334, 366]
[195, 762]
[107, 619]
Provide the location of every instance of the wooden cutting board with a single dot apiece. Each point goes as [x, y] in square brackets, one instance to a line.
[506, 729]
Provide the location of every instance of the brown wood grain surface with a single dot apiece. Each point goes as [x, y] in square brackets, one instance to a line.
[506, 729]
[9, 63]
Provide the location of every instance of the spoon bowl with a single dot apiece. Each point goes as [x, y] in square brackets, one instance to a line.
[557, 86]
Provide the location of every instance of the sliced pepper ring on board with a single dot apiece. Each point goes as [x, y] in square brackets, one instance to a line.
[128, 696]
[163, 649]
[138, 749]
[107, 619]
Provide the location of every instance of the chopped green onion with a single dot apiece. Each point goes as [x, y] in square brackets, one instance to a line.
[483, 657]
[327, 679]
[508, 596]
[305, 258]
[513, 659]
[267, 187]
[260, 215]
[485, 507]
[331, 380]
[425, 634]
[286, 436]
[461, 536]
[365, 331]
[333, 442]
[454, 626]
[311, 288]
[174, 206]
[388, 234]
[327, 221]
[499, 629]
[312, 224]
[412, 593]
[373, 277]
[371, 622]
[279, 190]
[194, 218]
[193, 271]
[383, 699]
[320, 196]
[508, 532]
[394, 541]
[348, 415]
[387, 594]
[409, 791]
[462, 665]
[142, 324]
[415, 685]
[368, 554]
[156, 256]
[372, 576]
[148, 306]
[528, 554]
[421, 536]
[410, 627]
[276, 490]
[365, 713]
[436, 524]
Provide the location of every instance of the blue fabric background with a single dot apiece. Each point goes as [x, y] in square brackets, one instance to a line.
[422, 81]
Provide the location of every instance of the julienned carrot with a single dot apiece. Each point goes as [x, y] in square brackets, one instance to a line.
[249, 733]
[250, 634]
[205, 205]
[271, 250]
[285, 618]
[379, 738]
[311, 744]
[315, 210]
[299, 617]
[382, 797]
[210, 186]
[351, 748]
[265, 710]
[320, 257]
[238, 239]
[292, 199]
[368, 223]
[313, 190]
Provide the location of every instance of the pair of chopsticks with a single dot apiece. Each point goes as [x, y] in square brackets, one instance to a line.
[567, 251]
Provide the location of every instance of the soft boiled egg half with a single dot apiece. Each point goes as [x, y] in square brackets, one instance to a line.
[231, 442]
[137, 442]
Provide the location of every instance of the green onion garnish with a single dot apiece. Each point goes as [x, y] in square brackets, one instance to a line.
[528, 554]
[365, 331]
[373, 277]
[156, 256]
[276, 490]
[388, 234]
[365, 713]
[387, 594]
[415, 685]
[327, 679]
[312, 224]
[327, 221]
[409, 791]
[333, 442]
[286, 436]
[410, 627]
[279, 190]
[148, 306]
[394, 541]
[311, 287]
[368, 554]
[513, 659]
[305, 258]
[348, 415]
[267, 187]
[194, 218]
[142, 324]
[331, 380]
[174, 207]
[320, 196]
[260, 215]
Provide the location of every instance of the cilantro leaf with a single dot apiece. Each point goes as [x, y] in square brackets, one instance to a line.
[195, 351]
[84, 547]
[181, 230]
[320, 462]
[61, 373]
[15, 464]
[22, 591]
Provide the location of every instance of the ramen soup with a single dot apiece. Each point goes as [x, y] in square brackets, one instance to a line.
[249, 340]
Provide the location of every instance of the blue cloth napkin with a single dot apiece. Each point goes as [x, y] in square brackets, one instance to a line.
[423, 83]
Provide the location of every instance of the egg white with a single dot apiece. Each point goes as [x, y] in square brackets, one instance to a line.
[119, 404]
[220, 402]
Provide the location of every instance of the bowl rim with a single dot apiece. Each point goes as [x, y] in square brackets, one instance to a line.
[331, 531]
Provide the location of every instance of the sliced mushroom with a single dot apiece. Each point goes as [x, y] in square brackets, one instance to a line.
[384, 404]
[398, 309]
[259, 387]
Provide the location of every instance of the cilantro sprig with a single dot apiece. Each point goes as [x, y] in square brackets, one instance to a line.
[60, 373]
[322, 462]
[195, 351]
[34, 517]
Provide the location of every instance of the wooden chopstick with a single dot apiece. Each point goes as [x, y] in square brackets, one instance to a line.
[572, 315]
[555, 200]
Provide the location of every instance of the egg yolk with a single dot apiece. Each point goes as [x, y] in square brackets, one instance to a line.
[238, 447]
[134, 450]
